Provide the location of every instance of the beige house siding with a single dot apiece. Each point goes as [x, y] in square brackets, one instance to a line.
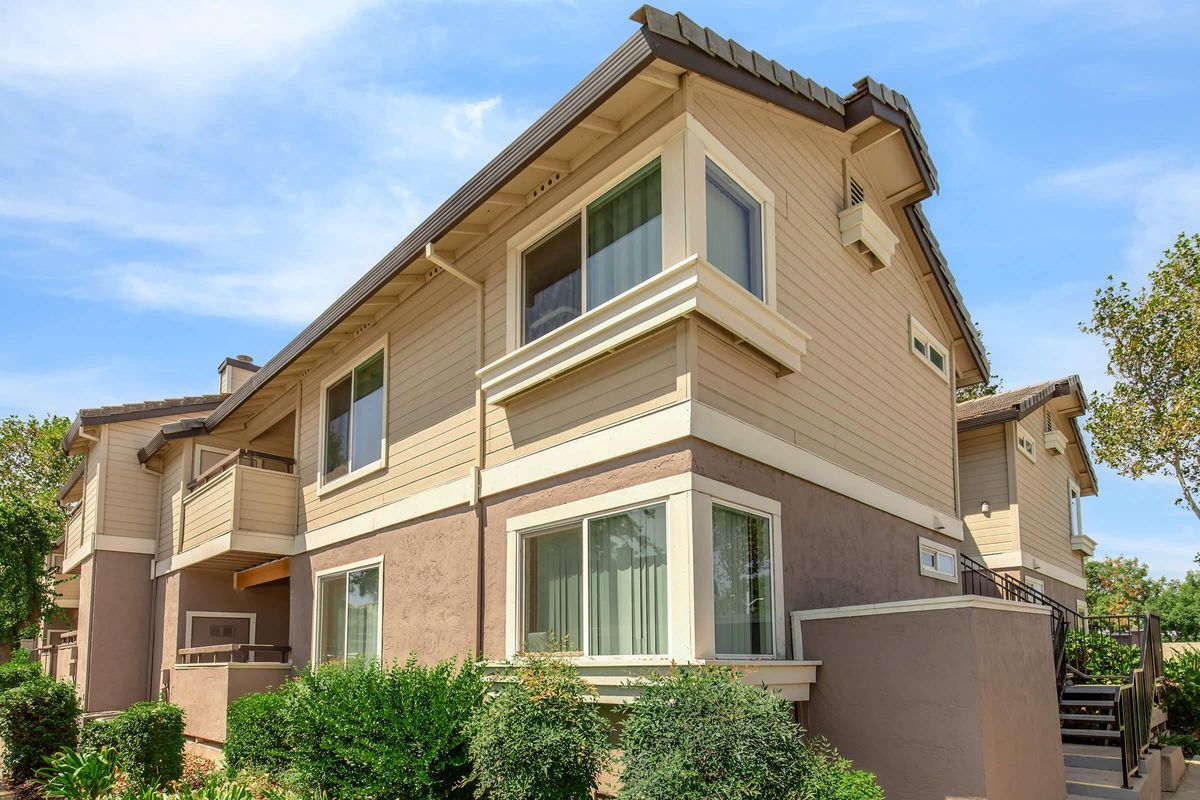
[862, 400]
[983, 464]
[170, 509]
[1042, 490]
[130, 493]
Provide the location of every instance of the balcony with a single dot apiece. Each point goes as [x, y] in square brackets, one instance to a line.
[73, 539]
[241, 512]
[205, 680]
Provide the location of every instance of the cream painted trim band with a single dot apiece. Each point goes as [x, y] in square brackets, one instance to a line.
[1014, 559]
[287, 665]
[126, 544]
[270, 544]
[922, 604]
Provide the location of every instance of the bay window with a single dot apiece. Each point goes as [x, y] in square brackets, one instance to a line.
[349, 621]
[353, 425]
[743, 585]
[598, 586]
[734, 231]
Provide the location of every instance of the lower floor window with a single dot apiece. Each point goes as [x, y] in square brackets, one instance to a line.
[349, 614]
[938, 560]
[598, 586]
[742, 582]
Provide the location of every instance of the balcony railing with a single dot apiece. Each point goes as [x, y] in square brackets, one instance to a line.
[248, 458]
[235, 654]
[73, 539]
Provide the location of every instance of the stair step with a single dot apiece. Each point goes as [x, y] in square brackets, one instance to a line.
[1105, 718]
[1090, 689]
[1085, 733]
[1089, 702]
[1097, 783]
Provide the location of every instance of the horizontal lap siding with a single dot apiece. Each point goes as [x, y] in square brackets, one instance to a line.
[266, 501]
[170, 514]
[983, 465]
[209, 512]
[130, 493]
[1043, 500]
[861, 399]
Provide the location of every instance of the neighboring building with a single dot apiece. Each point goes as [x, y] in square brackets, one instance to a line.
[671, 380]
[1024, 473]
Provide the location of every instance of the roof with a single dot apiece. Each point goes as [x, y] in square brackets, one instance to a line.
[145, 409]
[1017, 403]
[180, 429]
[675, 39]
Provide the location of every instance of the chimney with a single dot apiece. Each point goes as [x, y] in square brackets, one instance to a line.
[234, 372]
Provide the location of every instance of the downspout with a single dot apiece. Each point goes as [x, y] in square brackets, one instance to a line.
[432, 256]
[150, 693]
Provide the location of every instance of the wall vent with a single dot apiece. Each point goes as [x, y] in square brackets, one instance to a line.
[220, 631]
[857, 195]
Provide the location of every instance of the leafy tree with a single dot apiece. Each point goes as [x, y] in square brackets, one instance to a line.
[1178, 608]
[1149, 424]
[1120, 585]
[978, 390]
[32, 463]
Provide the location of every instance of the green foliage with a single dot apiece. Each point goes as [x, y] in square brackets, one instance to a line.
[364, 731]
[37, 719]
[28, 530]
[541, 737]
[703, 734]
[257, 731]
[74, 776]
[32, 463]
[148, 741]
[1119, 585]
[18, 669]
[825, 775]
[1102, 656]
[1148, 423]
[978, 390]
[1181, 691]
[1185, 741]
[1178, 608]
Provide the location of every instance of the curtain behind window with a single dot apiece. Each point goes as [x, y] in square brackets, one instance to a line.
[333, 619]
[362, 613]
[552, 285]
[624, 235]
[742, 591]
[734, 229]
[553, 563]
[627, 583]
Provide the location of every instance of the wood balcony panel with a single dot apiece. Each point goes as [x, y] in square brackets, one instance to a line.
[240, 518]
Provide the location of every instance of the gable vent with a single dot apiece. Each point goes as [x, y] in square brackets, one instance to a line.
[857, 195]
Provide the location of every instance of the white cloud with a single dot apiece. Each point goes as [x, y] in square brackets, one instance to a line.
[1170, 554]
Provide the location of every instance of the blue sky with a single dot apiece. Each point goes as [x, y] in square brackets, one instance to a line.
[178, 184]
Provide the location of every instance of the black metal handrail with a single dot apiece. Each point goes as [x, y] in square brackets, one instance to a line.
[1135, 699]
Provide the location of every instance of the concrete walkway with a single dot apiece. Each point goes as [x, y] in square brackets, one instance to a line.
[1190, 788]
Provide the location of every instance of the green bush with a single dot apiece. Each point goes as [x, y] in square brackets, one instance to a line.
[825, 775]
[360, 730]
[75, 776]
[37, 719]
[541, 737]
[1181, 691]
[148, 741]
[1102, 656]
[18, 669]
[256, 736]
[1185, 741]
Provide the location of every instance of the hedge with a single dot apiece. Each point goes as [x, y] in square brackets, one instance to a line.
[148, 740]
[256, 733]
[37, 719]
[18, 669]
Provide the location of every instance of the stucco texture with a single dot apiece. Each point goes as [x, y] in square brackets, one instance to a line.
[205, 693]
[114, 630]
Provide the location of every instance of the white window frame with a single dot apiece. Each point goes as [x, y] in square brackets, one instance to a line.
[205, 448]
[353, 362]
[56, 562]
[1037, 584]
[190, 617]
[918, 331]
[319, 578]
[1020, 433]
[682, 145]
[930, 546]
[690, 612]
[1074, 509]
[1081, 607]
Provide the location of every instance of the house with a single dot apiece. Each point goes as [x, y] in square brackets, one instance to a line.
[1024, 471]
[670, 380]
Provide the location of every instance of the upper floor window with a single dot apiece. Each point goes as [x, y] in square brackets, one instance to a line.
[353, 419]
[621, 234]
[1025, 444]
[1075, 508]
[349, 613]
[734, 229]
[598, 586]
[930, 351]
[743, 585]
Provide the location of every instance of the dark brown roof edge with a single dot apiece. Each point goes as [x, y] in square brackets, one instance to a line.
[239, 363]
[73, 479]
[110, 414]
[181, 429]
[1028, 404]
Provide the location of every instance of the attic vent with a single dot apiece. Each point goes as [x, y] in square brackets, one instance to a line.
[545, 185]
[857, 195]
[1047, 421]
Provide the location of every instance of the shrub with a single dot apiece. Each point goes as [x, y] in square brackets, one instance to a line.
[361, 730]
[256, 733]
[701, 733]
[37, 719]
[825, 775]
[148, 741]
[1184, 741]
[19, 669]
[74, 776]
[1102, 656]
[540, 738]
[1181, 691]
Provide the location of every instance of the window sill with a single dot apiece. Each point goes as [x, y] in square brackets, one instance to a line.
[941, 576]
[1083, 544]
[692, 286]
[353, 477]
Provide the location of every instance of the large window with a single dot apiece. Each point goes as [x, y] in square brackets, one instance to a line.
[349, 614]
[621, 234]
[354, 420]
[733, 229]
[742, 582]
[620, 607]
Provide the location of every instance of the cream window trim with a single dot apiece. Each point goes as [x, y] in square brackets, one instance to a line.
[682, 146]
[1025, 443]
[197, 455]
[929, 547]
[918, 333]
[1037, 584]
[191, 616]
[689, 498]
[352, 362]
[367, 563]
[691, 286]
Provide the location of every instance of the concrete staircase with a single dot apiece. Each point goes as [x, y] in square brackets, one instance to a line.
[1095, 771]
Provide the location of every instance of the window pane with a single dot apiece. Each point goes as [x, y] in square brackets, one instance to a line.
[552, 280]
[362, 613]
[734, 229]
[553, 563]
[337, 429]
[624, 233]
[920, 346]
[742, 590]
[368, 413]
[945, 563]
[209, 459]
[627, 583]
[928, 559]
[936, 358]
[332, 621]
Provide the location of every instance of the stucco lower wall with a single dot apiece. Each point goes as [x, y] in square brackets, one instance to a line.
[954, 702]
[1056, 590]
[205, 692]
[115, 636]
